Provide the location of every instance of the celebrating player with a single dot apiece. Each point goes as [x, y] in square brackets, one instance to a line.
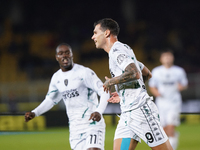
[167, 82]
[78, 87]
[139, 117]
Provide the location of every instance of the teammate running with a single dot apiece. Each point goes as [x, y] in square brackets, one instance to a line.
[167, 82]
[78, 87]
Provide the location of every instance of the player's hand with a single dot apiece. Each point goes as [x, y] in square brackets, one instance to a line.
[29, 115]
[95, 116]
[181, 87]
[114, 98]
[106, 86]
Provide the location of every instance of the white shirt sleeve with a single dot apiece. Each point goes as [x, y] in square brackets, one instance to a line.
[141, 65]
[46, 105]
[93, 82]
[52, 98]
[53, 92]
[183, 78]
[153, 82]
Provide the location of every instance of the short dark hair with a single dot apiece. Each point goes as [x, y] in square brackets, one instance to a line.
[110, 24]
[65, 45]
[167, 50]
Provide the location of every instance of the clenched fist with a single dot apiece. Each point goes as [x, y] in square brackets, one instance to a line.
[95, 116]
[29, 115]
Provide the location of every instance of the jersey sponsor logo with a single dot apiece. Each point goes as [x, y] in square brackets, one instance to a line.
[120, 58]
[70, 93]
[114, 50]
[129, 85]
[168, 83]
[66, 82]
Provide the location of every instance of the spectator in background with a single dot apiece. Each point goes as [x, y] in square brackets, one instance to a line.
[166, 83]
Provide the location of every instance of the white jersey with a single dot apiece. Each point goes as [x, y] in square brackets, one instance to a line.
[166, 81]
[133, 94]
[78, 88]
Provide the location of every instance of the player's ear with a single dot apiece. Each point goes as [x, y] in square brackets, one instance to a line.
[107, 33]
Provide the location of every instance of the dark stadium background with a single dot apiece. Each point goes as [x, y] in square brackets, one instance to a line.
[30, 30]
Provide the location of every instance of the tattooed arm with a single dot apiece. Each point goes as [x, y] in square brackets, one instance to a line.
[131, 73]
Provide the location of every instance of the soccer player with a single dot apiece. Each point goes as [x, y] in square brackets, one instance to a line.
[139, 115]
[167, 82]
[78, 87]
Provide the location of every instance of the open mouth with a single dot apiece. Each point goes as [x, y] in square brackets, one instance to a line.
[64, 60]
[95, 42]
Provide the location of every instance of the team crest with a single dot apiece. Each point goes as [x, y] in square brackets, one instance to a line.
[66, 82]
[114, 50]
[120, 58]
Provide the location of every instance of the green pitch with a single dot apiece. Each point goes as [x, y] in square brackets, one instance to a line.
[58, 139]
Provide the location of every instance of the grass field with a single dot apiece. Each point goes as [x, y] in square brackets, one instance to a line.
[57, 139]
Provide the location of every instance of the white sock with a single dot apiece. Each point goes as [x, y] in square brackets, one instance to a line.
[174, 140]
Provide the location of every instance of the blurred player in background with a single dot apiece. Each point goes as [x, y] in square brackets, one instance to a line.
[78, 87]
[139, 115]
[166, 83]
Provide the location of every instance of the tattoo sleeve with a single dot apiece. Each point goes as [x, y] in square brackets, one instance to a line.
[131, 73]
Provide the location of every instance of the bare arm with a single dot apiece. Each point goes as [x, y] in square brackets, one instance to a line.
[146, 74]
[131, 73]
[154, 91]
[181, 87]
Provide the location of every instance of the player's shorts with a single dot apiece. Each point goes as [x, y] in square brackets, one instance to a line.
[92, 138]
[169, 113]
[142, 123]
[170, 118]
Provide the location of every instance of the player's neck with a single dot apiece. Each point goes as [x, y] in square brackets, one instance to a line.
[168, 65]
[65, 69]
[109, 43]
